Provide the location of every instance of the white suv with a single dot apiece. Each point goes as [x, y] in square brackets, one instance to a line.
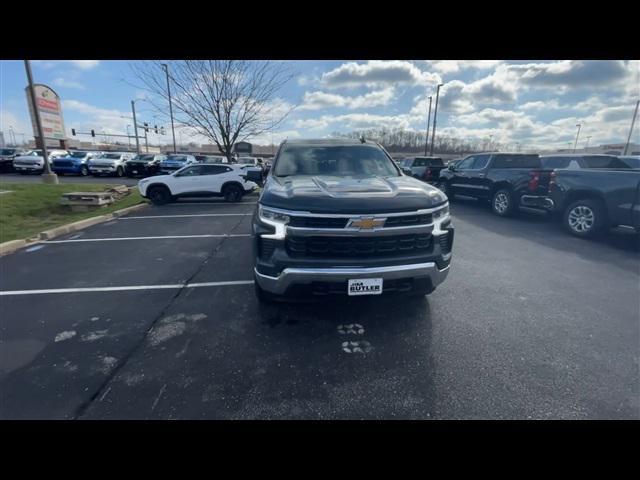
[200, 180]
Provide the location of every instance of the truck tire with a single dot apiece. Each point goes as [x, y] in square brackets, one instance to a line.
[84, 171]
[446, 189]
[232, 193]
[502, 203]
[119, 172]
[159, 195]
[584, 218]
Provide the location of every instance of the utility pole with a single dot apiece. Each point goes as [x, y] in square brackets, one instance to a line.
[587, 145]
[426, 140]
[166, 71]
[635, 114]
[577, 135]
[128, 137]
[135, 126]
[435, 115]
[47, 176]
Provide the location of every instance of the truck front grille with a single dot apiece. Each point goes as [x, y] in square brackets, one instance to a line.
[360, 247]
[341, 222]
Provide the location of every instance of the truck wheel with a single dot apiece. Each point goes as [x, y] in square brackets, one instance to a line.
[119, 172]
[446, 189]
[159, 195]
[584, 218]
[502, 203]
[232, 193]
[84, 171]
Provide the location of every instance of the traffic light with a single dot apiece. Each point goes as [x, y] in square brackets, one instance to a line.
[146, 127]
[73, 132]
[93, 133]
[156, 127]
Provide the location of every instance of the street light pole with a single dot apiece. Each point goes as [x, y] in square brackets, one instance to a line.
[47, 176]
[166, 71]
[135, 126]
[635, 114]
[587, 145]
[577, 135]
[128, 136]
[435, 115]
[426, 140]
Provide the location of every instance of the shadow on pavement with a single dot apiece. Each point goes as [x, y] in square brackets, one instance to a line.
[617, 247]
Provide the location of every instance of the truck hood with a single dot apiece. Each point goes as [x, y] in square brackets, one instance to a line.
[29, 159]
[172, 163]
[103, 161]
[330, 194]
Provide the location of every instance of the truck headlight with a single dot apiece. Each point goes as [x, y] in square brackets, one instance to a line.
[271, 216]
[441, 213]
[275, 219]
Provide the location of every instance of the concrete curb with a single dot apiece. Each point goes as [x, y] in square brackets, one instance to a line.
[13, 245]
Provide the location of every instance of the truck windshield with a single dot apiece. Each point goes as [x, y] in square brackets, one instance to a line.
[343, 160]
[78, 154]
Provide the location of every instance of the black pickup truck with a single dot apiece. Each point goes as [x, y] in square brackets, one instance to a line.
[507, 180]
[590, 201]
[424, 168]
[339, 217]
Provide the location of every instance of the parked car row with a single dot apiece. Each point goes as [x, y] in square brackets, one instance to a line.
[590, 193]
[201, 180]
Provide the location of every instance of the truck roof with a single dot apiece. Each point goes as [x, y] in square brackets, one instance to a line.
[328, 141]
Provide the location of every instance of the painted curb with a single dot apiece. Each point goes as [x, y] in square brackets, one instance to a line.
[13, 245]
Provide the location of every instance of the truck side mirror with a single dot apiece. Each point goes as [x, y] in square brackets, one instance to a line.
[407, 171]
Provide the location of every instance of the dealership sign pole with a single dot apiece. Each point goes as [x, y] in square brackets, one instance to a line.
[47, 176]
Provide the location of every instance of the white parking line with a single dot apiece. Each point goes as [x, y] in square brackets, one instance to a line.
[167, 237]
[178, 204]
[125, 288]
[194, 215]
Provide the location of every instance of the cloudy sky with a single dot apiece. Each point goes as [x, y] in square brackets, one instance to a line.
[537, 103]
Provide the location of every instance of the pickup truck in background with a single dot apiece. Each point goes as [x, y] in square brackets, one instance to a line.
[75, 163]
[590, 201]
[424, 168]
[6, 157]
[507, 180]
[582, 161]
[109, 163]
[33, 161]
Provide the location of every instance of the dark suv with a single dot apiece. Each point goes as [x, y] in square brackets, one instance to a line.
[338, 217]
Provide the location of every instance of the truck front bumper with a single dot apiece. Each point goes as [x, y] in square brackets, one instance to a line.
[296, 276]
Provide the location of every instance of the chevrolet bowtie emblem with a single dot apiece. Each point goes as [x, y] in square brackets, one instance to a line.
[366, 223]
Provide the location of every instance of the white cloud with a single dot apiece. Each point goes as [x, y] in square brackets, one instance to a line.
[318, 100]
[20, 126]
[378, 73]
[81, 64]
[64, 83]
[85, 64]
[454, 66]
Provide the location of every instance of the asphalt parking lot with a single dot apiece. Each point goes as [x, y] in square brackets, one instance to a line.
[153, 316]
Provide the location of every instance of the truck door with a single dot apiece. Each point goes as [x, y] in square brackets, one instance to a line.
[460, 181]
[477, 183]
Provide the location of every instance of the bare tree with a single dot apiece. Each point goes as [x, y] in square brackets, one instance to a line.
[227, 101]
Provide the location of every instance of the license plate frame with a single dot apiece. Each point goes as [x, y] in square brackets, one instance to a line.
[364, 286]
